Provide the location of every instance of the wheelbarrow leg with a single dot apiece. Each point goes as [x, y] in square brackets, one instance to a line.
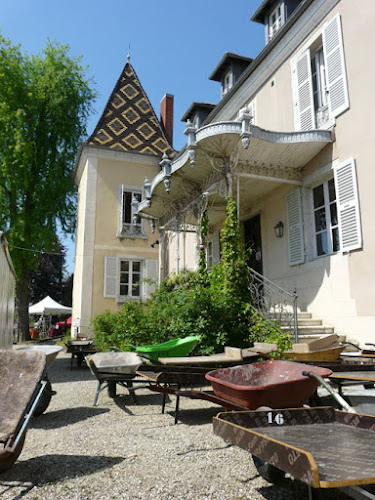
[164, 401]
[97, 394]
[130, 387]
[177, 408]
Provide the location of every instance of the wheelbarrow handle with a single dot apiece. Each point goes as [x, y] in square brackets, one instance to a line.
[334, 394]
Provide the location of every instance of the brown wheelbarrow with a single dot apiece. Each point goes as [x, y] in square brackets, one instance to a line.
[21, 387]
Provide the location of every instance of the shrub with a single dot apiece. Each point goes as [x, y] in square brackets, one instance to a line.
[214, 305]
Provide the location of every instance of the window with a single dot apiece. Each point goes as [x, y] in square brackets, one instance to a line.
[318, 75]
[227, 83]
[319, 79]
[325, 218]
[274, 22]
[130, 278]
[127, 278]
[128, 226]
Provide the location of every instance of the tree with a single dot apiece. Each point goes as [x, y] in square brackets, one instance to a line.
[45, 101]
[49, 278]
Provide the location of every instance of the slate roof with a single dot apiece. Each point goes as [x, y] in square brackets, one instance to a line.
[129, 122]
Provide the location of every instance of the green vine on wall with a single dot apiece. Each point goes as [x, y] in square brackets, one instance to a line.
[203, 229]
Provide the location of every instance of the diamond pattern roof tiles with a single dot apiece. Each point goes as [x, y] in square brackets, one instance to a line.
[128, 122]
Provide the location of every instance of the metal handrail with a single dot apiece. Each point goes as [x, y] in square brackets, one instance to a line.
[273, 303]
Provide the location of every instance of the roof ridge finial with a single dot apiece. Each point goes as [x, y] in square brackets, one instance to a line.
[128, 56]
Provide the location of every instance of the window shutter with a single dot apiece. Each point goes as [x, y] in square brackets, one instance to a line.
[151, 271]
[295, 227]
[251, 107]
[119, 209]
[110, 277]
[216, 248]
[304, 91]
[348, 206]
[338, 98]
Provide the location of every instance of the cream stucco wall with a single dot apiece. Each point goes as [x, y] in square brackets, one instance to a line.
[338, 288]
[99, 175]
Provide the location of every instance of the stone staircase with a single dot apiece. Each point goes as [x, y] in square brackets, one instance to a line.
[310, 328]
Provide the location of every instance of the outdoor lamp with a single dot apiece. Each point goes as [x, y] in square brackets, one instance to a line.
[147, 189]
[279, 230]
[134, 205]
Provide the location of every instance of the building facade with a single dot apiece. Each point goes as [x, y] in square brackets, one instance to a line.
[116, 256]
[291, 139]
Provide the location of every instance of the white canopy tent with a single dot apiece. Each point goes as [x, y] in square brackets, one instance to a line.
[48, 307]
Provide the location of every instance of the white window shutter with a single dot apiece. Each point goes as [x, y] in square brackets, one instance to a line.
[251, 107]
[304, 93]
[119, 209]
[110, 277]
[216, 248]
[338, 98]
[296, 245]
[348, 206]
[151, 272]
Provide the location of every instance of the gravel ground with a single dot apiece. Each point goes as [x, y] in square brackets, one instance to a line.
[122, 450]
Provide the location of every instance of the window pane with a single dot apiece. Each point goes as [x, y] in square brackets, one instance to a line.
[126, 214]
[124, 278]
[321, 243]
[124, 265]
[335, 239]
[320, 220]
[124, 290]
[333, 210]
[318, 196]
[331, 190]
[136, 267]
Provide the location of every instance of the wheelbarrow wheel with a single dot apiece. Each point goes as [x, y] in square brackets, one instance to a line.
[45, 399]
[268, 472]
[7, 458]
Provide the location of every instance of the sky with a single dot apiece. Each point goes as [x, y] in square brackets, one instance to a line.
[174, 46]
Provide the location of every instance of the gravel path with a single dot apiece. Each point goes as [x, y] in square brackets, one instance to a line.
[122, 450]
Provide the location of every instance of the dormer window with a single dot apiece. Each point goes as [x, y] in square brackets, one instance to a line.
[276, 19]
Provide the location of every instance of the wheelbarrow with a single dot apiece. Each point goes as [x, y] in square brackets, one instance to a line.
[273, 383]
[21, 387]
[112, 368]
[175, 347]
[51, 352]
[322, 447]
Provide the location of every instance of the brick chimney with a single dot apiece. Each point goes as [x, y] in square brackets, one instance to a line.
[166, 115]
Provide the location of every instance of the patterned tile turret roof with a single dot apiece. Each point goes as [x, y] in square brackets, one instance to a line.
[129, 122]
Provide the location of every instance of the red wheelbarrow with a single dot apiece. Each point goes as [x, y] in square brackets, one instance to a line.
[273, 384]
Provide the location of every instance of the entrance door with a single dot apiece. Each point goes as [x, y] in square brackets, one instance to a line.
[253, 240]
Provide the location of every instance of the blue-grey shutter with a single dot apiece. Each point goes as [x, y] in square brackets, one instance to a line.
[110, 277]
[304, 93]
[338, 97]
[348, 206]
[296, 247]
[151, 272]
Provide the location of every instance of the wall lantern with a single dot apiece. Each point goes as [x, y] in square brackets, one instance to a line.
[279, 230]
[135, 204]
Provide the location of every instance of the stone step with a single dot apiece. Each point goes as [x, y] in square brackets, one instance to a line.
[304, 315]
[307, 322]
[314, 331]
